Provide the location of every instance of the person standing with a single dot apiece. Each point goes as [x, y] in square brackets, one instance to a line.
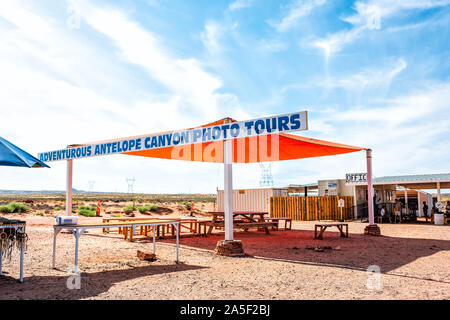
[398, 211]
[425, 210]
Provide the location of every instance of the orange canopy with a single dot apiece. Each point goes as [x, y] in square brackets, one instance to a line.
[272, 147]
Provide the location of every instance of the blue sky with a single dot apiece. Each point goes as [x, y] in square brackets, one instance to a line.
[370, 73]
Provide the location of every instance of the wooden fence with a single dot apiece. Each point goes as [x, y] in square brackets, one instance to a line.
[326, 207]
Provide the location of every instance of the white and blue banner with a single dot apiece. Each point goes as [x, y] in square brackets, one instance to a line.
[234, 130]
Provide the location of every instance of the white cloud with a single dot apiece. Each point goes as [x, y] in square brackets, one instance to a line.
[336, 41]
[404, 109]
[370, 15]
[239, 4]
[297, 10]
[59, 86]
[272, 45]
[368, 78]
[210, 37]
[183, 76]
[404, 132]
[379, 76]
[388, 8]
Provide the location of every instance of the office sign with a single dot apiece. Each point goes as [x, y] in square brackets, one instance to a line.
[233, 130]
[356, 177]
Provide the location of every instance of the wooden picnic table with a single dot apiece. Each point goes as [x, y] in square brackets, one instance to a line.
[244, 215]
[241, 219]
[324, 226]
[192, 225]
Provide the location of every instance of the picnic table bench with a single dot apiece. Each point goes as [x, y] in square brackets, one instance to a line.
[189, 225]
[242, 220]
[324, 226]
[287, 223]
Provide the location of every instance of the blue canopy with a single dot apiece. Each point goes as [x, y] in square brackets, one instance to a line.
[11, 155]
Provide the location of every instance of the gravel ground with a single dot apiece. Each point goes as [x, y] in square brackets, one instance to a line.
[413, 260]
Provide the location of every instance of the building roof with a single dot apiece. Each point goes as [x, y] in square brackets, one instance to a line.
[417, 181]
[415, 178]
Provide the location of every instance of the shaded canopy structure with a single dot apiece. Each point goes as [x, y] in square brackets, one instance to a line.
[12, 156]
[271, 147]
[276, 146]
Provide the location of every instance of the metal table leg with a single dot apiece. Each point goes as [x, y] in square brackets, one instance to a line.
[77, 233]
[1, 262]
[154, 240]
[177, 226]
[21, 256]
[55, 233]
[21, 262]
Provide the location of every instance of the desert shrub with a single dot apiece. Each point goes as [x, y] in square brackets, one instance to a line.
[87, 213]
[143, 209]
[128, 208]
[40, 214]
[14, 207]
[90, 208]
[153, 207]
[6, 209]
[57, 209]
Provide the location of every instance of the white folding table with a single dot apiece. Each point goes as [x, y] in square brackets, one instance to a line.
[20, 227]
[79, 229]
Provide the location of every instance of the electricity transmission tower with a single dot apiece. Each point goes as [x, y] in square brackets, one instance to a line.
[130, 182]
[266, 175]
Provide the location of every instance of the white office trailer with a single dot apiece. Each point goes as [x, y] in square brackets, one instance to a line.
[258, 199]
[251, 199]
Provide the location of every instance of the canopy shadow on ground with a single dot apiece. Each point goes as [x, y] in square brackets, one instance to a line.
[92, 284]
[359, 251]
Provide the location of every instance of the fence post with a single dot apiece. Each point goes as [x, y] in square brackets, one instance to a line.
[318, 208]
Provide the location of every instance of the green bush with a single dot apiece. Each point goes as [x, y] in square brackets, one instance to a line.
[153, 207]
[143, 209]
[128, 208]
[6, 209]
[14, 207]
[87, 213]
[90, 208]
[40, 214]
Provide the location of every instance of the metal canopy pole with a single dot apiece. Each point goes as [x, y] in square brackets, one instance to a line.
[228, 188]
[438, 186]
[406, 201]
[370, 186]
[69, 188]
